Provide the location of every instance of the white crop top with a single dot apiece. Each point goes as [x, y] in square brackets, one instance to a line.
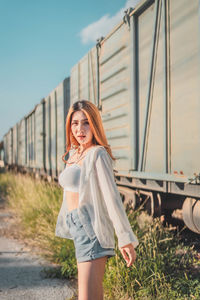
[69, 178]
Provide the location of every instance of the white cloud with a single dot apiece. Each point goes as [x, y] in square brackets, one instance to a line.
[105, 24]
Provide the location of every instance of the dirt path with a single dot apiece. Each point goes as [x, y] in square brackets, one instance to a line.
[21, 271]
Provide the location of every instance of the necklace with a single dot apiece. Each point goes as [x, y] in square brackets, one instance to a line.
[80, 154]
[78, 158]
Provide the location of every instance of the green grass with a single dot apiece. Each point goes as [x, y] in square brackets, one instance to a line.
[164, 268]
[36, 204]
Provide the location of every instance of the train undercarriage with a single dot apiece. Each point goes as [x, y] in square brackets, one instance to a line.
[179, 206]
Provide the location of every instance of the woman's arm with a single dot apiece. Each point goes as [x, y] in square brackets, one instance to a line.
[111, 196]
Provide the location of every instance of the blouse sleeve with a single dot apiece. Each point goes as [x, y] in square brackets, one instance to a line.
[113, 201]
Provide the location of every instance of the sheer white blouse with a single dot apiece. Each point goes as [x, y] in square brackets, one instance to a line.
[100, 198]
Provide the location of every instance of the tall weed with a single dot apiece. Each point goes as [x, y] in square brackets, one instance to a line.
[36, 203]
[164, 268]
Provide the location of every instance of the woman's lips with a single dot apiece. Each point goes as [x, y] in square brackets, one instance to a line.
[81, 136]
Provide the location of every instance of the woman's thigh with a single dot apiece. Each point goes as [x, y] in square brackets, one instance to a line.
[90, 278]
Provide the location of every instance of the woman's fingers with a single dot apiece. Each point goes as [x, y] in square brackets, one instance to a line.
[129, 254]
[132, 256]
[124, 254]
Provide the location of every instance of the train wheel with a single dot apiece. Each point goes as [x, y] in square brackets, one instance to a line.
[196, 215]
[129, 196]
[188, 207]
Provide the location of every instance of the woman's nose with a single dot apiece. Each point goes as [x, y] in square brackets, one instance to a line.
[80, 126]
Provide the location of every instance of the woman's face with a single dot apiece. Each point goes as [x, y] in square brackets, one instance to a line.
[81, 129]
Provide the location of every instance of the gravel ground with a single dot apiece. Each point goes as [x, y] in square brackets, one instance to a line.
[21, 271]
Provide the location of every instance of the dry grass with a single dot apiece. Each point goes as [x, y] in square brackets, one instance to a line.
[36, 204]
[164, 269]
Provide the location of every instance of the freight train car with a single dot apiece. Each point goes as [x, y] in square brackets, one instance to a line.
[8, 147]
[2, 152]
[147, 83]
[144, 78]
[37, 143]
[30, 140]
[56, 105]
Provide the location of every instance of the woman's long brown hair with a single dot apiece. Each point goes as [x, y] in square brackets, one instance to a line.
[95, 122]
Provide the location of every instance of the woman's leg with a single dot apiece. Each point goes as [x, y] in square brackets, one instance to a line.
[90, 279]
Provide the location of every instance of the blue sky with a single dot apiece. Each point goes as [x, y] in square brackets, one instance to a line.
[40, 41]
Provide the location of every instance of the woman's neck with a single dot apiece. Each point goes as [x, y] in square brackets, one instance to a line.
[83, 147]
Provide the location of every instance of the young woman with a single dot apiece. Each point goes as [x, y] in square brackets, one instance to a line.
[92, 208]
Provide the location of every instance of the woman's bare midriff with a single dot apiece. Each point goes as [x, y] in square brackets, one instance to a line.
[72, 199]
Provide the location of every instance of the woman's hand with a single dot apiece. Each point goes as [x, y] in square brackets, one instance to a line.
[128, 253]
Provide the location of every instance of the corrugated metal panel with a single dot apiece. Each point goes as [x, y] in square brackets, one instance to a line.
[115, 94]
[185, 80]
[2, 154]
[22, 144]
[18, 141]
[14, 159]
[168, 74]
[39, 133]
[10, 146]
[7, 142]
[84, 78]
[53, 133]
[154, 160]
[63, 103]
[4, 149]
[31, 140]
[5, 145]
[29, 145]
[57, 105]
[166, 78]
[60, 126]
[74, 85]
[48, 134]
[183, 99]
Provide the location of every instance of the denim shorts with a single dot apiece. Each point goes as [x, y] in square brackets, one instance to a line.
[86, 244]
